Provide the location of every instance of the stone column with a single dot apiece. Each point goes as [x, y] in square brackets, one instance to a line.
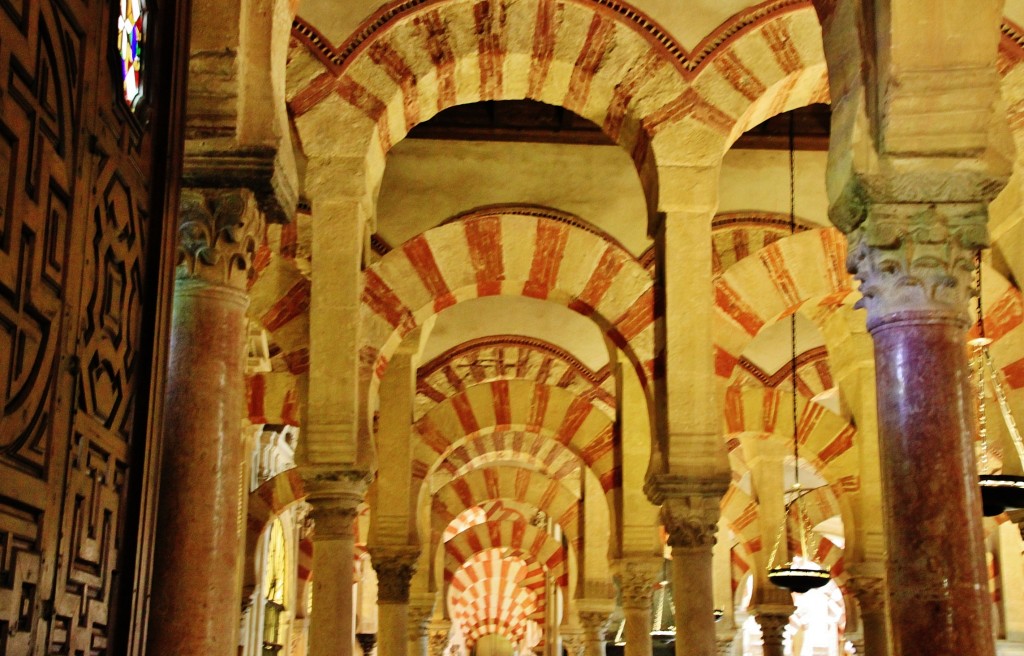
[200, 530]
[870, 593]
[914, 261]
[691, 524]
[335, 497]
[395, 567]
[725, 644]
[595, 625]
[637, 578]
[437, 640]
[773, 621]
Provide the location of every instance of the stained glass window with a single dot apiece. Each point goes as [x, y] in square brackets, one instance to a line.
[131, 32]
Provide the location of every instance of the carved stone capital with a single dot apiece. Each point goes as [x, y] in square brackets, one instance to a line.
[595, 624]
[724, 644]
[418, 616]
[572, 640]
[637, 578]
[691, 521]
[395, 567]
[869, 592]
[334, 519]
[914, 258]
[334, 497]
[437, 637]
[773, 621]
[218, 231]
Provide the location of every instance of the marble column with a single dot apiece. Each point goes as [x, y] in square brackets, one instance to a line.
[195, 602]
[395, 567]
[773, 621]
[637, 578]
[334, 497]
[595, 626]
[691, 523]
[870, 594]
[914, 262]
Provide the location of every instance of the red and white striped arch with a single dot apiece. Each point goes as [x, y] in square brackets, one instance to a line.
[414, 59]
[553, 459]
[279, 303]
[508, 251]
[521, 485]
[266, 503]
[520, 406]
[507, 357]
[777, 280]
[737, 235]
[826, 440]
[492, 589]
[513, 538]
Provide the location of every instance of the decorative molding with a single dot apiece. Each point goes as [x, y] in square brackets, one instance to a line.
[808, 357]
[661, 487]
[539, 212]
[335, 59]
[513, 341]
[258, 169]
[691, 521]
[916, 258]
[217, 236]
[395, 567]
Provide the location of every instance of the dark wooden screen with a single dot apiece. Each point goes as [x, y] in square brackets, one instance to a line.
[79, 265]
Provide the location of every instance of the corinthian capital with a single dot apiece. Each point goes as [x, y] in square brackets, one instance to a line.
[691, 521]
[395, 567]
[915, 258]
[217, 235]
[869, 591]
[637, 578]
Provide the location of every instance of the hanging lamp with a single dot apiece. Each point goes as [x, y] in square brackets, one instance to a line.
[788, 575]
[999, 492]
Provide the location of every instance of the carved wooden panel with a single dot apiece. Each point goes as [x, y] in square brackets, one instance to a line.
[73, 226]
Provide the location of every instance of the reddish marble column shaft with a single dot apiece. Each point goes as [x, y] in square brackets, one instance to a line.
[196, 586]
[936, 574]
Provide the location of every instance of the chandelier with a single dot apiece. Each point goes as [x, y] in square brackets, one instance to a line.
[810, 575]
[999, 492]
